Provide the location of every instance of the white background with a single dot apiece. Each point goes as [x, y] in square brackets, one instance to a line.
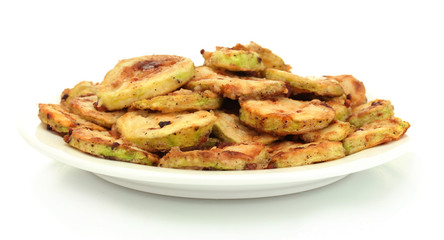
[394, 47]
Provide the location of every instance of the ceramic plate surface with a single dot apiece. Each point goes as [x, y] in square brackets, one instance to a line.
[206, 184]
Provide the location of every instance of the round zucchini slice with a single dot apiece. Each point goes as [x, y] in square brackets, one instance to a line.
[269, 59]
[292, 154]
[233, 60]
[143, 77]
[284, 116]
[375, 133]
[58, 119]
[103, 144]
[181, 100]
[233, 157]
[336, 131]
[297, 84]
[163, 131]
[230, 129]
[85, 107]
[83, 88]
[353, 88]
[341, 105]
[377, 109]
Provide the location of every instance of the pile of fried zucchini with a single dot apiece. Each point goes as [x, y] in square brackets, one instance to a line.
[243, 109]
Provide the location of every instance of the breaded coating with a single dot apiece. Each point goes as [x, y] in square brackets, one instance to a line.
[60, 120]
[297, 84]
[103, 144]
[235, 87]
[336, 131]
[341, 106]
[85, 107]
[143, 77]
[181, 100]
[284, 116]
[353, 88]
[230, 129]
[292, 154]
[83, 88]
[162, 131]
[375, 133]
[375, 110]
[234, 157]
[233, 59]
[269, 59]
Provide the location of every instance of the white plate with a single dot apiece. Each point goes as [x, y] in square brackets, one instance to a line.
[206, 184]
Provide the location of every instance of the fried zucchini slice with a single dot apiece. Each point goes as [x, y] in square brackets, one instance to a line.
[341, 106]
[83, 88]
[375, 110]
[269, 59]
[297, 84]
[353, 88]
[181, 100]
[233, 59]
[60, 120]
[103, 144]
[235, 87]
[375, 133]
[336, 131]
[84, 106]
[229, 129]
[284, 116]
[162, 131]
[234, 157]
[143, 77]
[292, 154]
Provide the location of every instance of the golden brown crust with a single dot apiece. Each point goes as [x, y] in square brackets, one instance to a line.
[103, 144]
[233, 157]
[181, 100]
[229, 128]
[291, 154]
[336, 131]
[353, 88]
[83, 88]
[375, 133]
[60, 120]
[233, 87]
[143, 77]
[85, 106]
[297, 84]
[163, 131]
[377, 109]
[283, 116]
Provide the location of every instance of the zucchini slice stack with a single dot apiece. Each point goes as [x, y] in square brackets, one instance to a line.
[243, 109]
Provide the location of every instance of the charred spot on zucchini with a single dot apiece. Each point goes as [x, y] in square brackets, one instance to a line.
[378, 109]
[143, 77]
[161, 132]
